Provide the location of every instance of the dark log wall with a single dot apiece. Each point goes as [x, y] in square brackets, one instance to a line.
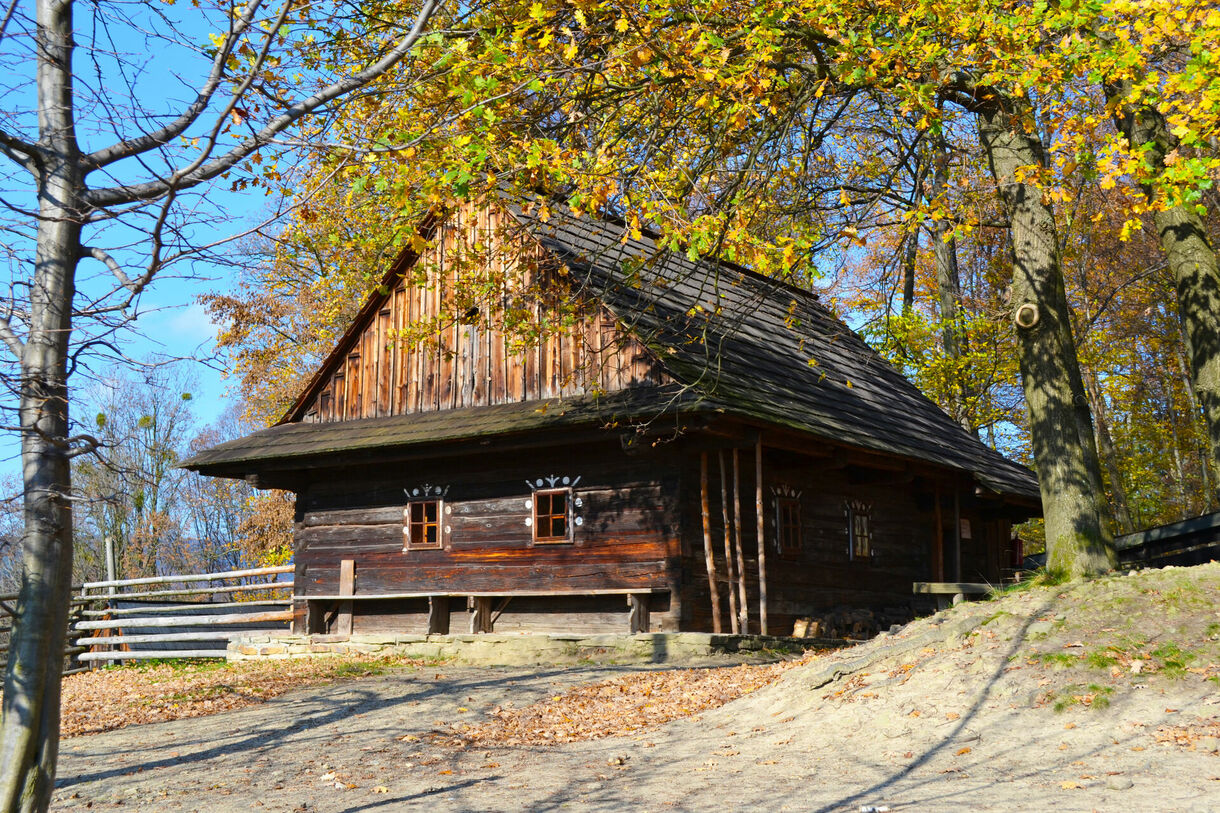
[822, 576]
[417, 348]
[627, 539]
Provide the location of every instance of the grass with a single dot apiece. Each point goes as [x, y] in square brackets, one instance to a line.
[1094, 696]
[1038, 579]
[1173, 659]
[996, 616]
[1060, 660]
[1102, 658]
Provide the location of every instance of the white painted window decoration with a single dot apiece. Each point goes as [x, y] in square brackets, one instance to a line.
[787, 520]
[859, 530]
[423, 525]
[553, 514]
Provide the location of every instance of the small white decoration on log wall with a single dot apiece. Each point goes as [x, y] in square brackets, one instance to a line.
[554, 481]
[426, 491]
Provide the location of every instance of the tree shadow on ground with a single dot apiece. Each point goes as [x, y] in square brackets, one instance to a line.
[260, 740]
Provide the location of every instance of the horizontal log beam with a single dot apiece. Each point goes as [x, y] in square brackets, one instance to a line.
[193, 577]
[14, 596]
[225, 605]
[148, 656]
[185, 621]
[952, 588]
[168, 637]
[610, 591]
[196, 591]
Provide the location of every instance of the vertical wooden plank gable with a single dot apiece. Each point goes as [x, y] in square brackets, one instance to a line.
[415, 352]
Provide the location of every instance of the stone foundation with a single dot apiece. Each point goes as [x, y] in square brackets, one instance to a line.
[528, 650]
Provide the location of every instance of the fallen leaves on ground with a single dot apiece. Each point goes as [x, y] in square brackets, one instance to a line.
[1189, 736]
[106, 699]
[621, 705]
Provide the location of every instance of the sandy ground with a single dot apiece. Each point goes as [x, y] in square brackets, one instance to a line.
[953, 713]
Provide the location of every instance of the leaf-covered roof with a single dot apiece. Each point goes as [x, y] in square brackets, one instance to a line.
[762, 349]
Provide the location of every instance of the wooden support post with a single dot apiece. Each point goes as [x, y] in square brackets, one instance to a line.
[495, 616]
[743, 604]
[479, 608]
[638, 619]
[315, 617]
[957, 534]
[347, 587]
[728, 551]
[762, 538]
[438, 615]
[707, 544]
[938, 543]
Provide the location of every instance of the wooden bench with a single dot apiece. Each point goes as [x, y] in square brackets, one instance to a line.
[482, 607]
[950, 593]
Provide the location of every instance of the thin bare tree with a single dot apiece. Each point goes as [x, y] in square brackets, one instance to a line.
[92, 158]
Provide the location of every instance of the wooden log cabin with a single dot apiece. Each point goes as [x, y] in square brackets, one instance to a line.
[549, 422]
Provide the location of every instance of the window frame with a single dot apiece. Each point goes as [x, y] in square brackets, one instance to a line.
[857, 512]
[789, 546]
[568, 501]
[409, 542]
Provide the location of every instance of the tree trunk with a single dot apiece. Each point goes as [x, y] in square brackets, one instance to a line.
[949, 287]
[1061, 428]
[910, 253]
[1109, 455]
[1208, 464]
[29, 728]
[1190, 254]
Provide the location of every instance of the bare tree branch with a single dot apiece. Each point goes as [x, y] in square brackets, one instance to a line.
[10, 339]
[21, 153]
[161, 137]
[8, 15]
[191, 177]
[119, 274]
[90, 445]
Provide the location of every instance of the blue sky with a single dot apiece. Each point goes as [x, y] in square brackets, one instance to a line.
[147, 67]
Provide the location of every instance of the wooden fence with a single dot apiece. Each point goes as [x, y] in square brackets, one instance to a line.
[167, 616]
[8, 605]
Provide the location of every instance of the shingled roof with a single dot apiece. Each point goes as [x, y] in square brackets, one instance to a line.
[736, 343]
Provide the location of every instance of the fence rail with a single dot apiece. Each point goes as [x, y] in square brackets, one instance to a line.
[99, 623]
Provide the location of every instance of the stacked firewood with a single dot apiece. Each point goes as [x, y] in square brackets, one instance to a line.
[852, 623]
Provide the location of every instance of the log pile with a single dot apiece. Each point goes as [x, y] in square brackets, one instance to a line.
[851, 623]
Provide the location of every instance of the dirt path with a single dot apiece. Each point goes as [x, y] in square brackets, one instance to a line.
[955, 713]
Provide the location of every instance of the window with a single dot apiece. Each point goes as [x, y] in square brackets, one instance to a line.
[552, 510]
[788, 525]
[422, 525]
[859, 531]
